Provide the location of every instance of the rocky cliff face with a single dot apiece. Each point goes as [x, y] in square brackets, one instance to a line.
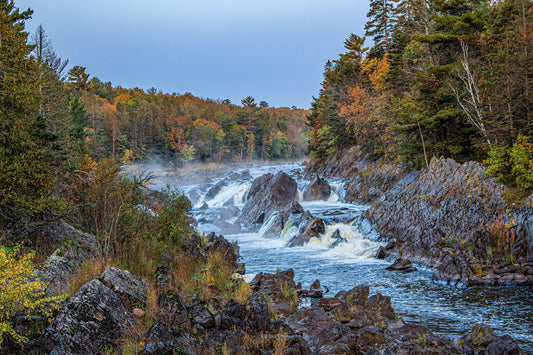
[367, 180]
[449, 216]
[454, 218]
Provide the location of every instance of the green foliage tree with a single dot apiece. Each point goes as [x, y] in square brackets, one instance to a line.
[25, 180]
[380, 25]
[78, 77]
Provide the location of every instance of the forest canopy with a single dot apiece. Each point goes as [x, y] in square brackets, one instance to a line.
[442, 78]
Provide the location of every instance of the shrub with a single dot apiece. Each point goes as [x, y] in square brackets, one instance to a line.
[20, 292]
[512, 165]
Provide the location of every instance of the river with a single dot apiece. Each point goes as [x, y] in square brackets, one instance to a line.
[446, 310]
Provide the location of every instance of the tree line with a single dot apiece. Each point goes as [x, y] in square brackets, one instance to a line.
[130, 124]
[448, 78]
[61, 130]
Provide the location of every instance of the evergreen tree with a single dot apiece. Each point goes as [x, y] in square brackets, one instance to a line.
[380, 26]
[25, 182]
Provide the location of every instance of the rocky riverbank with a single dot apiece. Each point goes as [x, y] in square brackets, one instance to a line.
[118, 312]
[448, 216]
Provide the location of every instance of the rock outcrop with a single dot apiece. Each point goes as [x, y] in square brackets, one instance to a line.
[66, 261]
[367, 180]
[281, 218]
[449, 216]
[92, 320]
[98, 318]
[268, 194]
[310, 227]
[454, 218]
[318, 189]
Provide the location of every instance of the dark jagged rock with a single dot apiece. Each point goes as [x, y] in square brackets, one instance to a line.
[482, 340]
[315, 290]
[338, 239]
[453, 268]
[219, 244]
[130, 289]
[213, 191]
[241, 269]
[165, 339]
[268, 194]
[172, 310]
[281, 219]
[280, 288]
[310, 227]
[93, 319]
[201, 315]
[401, 265]
[381, 253]
[318, 189]
[353, 323]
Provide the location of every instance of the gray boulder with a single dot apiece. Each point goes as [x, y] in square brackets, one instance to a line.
[130, 289]
[268, 194]
[67, 260]
[310, 227]
[281, 219]
[93, 319]
[319, 189]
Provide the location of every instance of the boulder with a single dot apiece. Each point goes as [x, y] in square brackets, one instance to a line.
[381, 253]
[93, 319]
[165, 339]
[215, 189]
[453, 268]
[281, 219]
[315, 290]
[310, 227]
[131, 290]
[280, 289]
[201, 315]
[268, 193]
[482, 340]
[253, 318]
[338, 239]
[172, 310]
[401, 265]
[318, 189]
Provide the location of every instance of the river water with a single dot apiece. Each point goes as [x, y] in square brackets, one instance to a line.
[446, 310]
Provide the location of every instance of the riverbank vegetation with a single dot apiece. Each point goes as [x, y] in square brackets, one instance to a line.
[63, 137]
[442, 78]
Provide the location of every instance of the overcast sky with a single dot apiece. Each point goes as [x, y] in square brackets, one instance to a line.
[273, 50]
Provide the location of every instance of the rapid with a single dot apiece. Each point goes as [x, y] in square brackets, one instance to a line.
[344, 257]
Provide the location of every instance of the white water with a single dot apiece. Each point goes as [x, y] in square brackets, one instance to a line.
[445, 309]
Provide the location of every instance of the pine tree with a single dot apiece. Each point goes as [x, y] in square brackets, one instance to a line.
[25, 182]
[380, 26]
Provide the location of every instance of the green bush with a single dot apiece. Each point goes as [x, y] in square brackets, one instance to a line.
[512, 165]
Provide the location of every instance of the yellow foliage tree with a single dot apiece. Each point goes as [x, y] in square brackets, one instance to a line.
[20, 291]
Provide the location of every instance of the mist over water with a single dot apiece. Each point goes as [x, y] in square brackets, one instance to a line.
[344, 255]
